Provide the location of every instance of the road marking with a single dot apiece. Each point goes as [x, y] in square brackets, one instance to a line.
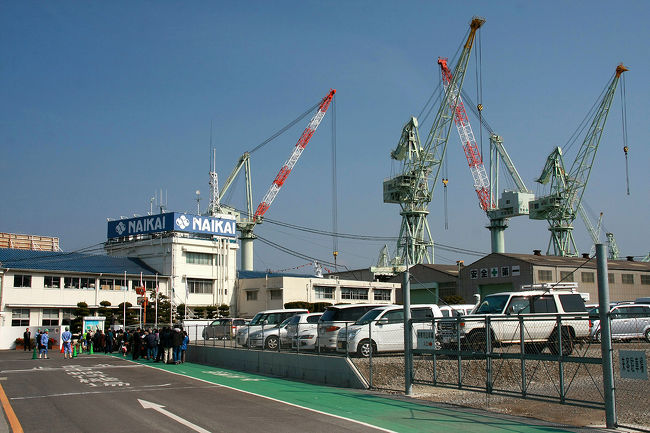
[9, 413]
[159, 408]
[68, 367]
[117, 390]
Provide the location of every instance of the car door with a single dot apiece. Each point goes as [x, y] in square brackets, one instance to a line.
[390, 328]
[622, 322]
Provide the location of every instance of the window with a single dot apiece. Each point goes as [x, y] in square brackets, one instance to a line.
[22, 281]
[104, 284]
[566, 276]
[275, 294]
[199, 286]
[348, 293]
[251, 295]
[422, 314]
[198, 258]
[20, 317]
[544, 275]
[572, 303]
[52, 282]
[381, 294]
[67, 317]
[88, 283]
[610, 278]
[645, 279]
[324, 292]
[627, 278]
[71, 282]
[395, 316]
[149, 284]
[587, 277]
[50, 317]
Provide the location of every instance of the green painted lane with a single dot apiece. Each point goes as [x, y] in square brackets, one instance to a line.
[387, 413]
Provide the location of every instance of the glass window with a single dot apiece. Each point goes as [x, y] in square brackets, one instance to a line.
[71, 282]
[610, 278]
[381, 294]
[627, 278]
[104, 284]
[587, 277]
[544, 304]
[275, 294]
[324, 292]
[67, 317]
[492, 304]
[198, 258]
[251, 295]
[20, 317]
[395, 316]
[22, 281]
[421, 314]
[52, 282]
[645, 279]
[544, 275]
[50, 317]
[89, 283]
[572, 303]
[199, 286]
[519, 305]
[313, 319]
[349, 293]
[566, 276]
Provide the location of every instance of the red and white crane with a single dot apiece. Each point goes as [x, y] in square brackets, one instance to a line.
[472, 153]
[293, 158]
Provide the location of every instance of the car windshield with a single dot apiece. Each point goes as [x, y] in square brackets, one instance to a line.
[492, 304]
[368, 317]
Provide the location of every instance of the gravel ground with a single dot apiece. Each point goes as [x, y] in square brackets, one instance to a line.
[581, 382]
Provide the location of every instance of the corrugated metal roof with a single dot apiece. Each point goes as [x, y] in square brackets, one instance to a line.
[241, 274]
[575, 262]
[72, 262]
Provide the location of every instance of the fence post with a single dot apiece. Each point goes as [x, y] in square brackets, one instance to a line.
[370, 356]
[605, 335]
[488, 355]
[522, 350]
[459, 347]
[561, 364]
[347, 341]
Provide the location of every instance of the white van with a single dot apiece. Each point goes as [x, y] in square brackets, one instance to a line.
[382, 329]
[265, 319]
[337, 317]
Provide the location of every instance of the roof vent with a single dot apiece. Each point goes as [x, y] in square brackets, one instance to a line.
[630, 258]
[537, 252]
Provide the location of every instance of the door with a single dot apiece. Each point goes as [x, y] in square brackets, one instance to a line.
[388, 332]
[623, 324]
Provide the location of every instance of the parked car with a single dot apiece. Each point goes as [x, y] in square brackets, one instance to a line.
[539, 309]
[270, 336]
[627, 321]
[382, 329]
[302, 331]
[267, 318]
[456, 310]
[224, 328]
[337, 317]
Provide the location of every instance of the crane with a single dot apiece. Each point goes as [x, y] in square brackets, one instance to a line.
[413, 188]
[246, 225]
[498, 215]
[560, 207]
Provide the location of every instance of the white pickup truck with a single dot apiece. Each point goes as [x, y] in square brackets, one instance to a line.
[540, 311]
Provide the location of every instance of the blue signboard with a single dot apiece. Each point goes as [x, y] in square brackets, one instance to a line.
[172, 221]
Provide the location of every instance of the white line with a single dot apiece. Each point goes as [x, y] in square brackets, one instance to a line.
[159, 408]
[278, 401]
[108, 391]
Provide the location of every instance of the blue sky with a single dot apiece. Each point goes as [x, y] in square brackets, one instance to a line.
[103, 104]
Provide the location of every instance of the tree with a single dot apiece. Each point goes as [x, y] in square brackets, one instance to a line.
[199, 312]
[132, 316]
[107, 312]
[212, 311]
[80, 312]
[224, 310]
[453, 299]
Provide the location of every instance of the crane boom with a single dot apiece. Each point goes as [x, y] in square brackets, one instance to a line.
[472, 153]
[293, 158]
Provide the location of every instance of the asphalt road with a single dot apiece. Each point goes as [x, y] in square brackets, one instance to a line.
[109, 394]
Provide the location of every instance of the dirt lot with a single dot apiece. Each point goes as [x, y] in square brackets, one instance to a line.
[581, 382]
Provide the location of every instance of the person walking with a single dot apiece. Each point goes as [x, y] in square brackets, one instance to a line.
[37, 341]
[166, 341]
[45, 340]
[136, 343]
[177, 340]
[109, 341]
[66, 338]
[152, 345]
[27, 340]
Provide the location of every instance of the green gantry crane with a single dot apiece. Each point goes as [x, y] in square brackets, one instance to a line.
[560, 207]
[413, 188]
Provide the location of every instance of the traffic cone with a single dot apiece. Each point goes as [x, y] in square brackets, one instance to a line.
[74, 351]
[35, 354]
[61, 347]
[91, 349]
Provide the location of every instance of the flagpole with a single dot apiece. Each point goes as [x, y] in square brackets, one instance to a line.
[126, 287]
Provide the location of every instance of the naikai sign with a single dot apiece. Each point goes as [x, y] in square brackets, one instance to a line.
[172, 221]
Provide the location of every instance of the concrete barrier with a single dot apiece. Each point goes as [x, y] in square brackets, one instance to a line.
[325, 370]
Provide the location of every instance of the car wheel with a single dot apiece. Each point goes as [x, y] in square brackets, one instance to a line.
[365, 347]
[476, 341]
[567, 343]
[271, 343]
[647, 335]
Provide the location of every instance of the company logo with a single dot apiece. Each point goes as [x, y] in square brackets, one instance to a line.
[120, 228]
[182, 222]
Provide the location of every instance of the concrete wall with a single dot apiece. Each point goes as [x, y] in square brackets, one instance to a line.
[325, 370]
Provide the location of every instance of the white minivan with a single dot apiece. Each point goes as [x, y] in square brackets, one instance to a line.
[382, 329]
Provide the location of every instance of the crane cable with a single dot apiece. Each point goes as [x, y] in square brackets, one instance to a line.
[624, 120]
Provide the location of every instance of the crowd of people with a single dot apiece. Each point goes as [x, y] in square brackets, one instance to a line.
[167, 345]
